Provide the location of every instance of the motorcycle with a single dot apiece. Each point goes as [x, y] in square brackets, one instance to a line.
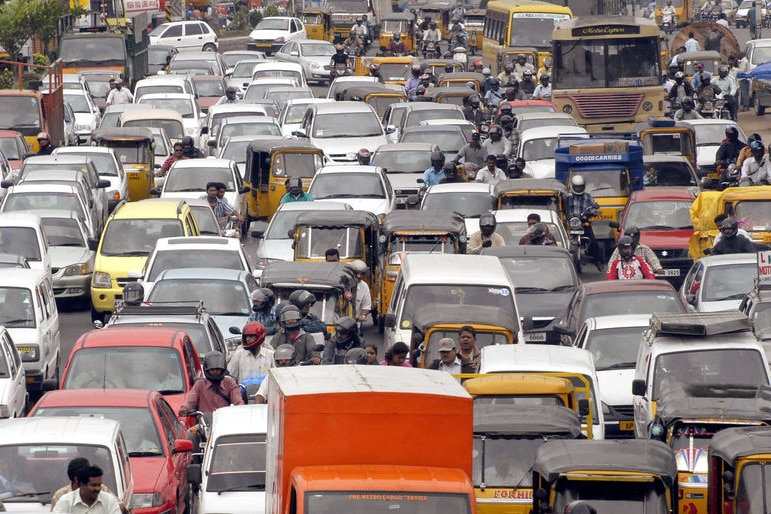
[668, 23]
[457, 39]
[340, 70]
[706, 106]
[199, 434]
[459, 55]
[731, 177]
[579, 242]
[722, 110]
[232, 227]
[430, 50]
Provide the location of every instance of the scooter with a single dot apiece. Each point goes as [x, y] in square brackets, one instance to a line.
[459, 55]
[667, 23]
[340, 70]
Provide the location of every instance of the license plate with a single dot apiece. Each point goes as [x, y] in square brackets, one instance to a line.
[535, 337]
[713, 176]
[626, 426]
[263, 45]
[671, 273]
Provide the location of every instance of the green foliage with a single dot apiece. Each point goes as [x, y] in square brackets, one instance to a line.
[6, 79]
[239, 21]
[40, 60]
[271, 10]
[44, 17]
[255, 17]
[16, 25]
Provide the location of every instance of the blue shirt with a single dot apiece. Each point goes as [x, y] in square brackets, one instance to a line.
[304, 197]
[578, 204]
[431, 177]
[268, 319]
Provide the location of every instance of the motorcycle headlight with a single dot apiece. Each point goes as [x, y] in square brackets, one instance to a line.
[77, 269]
[575, 223]
[102, 280]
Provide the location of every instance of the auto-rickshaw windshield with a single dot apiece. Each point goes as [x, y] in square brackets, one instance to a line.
[612, 496]
[395, 71]
[660, 215]
[606, 183]
[470, 205]
[487, 296]
[394, 26]
[753, 496]
[754, 215]
[401, 246]
[131, 152]
[483, 339]
[507, 461]
[381, 103]
[311, 19]
[313, 242]
[512, 231]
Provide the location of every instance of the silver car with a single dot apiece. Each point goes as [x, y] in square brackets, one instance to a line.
[313, 55]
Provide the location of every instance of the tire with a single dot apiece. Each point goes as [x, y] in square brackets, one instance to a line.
[760, 110]
[208, 47]
[96, 316]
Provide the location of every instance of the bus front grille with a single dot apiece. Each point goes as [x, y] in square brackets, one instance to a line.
[607, 105]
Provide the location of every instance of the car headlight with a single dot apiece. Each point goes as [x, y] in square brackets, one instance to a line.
[102, 280]
[233, 343]
[79, 128]
[605, 409]
[280, 40]
[314, 65]
[5, 412]
[191, 131]
[144, 500]
[77, 269]
[28, 352]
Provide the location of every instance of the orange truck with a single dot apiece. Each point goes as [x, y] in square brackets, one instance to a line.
[351, 439]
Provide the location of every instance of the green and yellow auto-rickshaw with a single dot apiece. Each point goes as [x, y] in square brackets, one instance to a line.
[668, 137]
[438, 66]
[510, 55]
[449, 95]
[461, 79]
[440, 13]
[134, 148]
[402, 23]
[538, 193]
[474, 21]
[375, 94]
[269, 163]
[316, 23]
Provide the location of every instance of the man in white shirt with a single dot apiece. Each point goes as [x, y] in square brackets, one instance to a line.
[88, 498]
[490, 174]
[119, 95]
[543, 90]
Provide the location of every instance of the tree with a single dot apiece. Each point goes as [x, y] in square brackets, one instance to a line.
[16, 25]
[45, 16]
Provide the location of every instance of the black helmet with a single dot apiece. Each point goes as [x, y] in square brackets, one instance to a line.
[732, 133]
[579, 507]
[626, 247]
[722, 70]
[688, 101]
[450, 169]
[214, 360]
[265, 297]
[539, 230]
[494, 81]
[302, 298]
[505, 107]
[432, 25]
[133, 293]
[290, 317]
[231, 89]
[437, 157]
[356, 356]
[506, 121]
[295, 182]
[757, 148]
[633, 232]
[487, 220]
[729, 228]
[754, 137]
[345, 327]
[187, 141]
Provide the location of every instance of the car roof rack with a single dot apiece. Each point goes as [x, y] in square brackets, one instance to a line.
[191, 308]
[699, 324]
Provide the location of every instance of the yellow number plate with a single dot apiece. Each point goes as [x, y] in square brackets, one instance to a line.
[626, 425]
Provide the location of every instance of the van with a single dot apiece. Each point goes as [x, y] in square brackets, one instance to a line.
[168, 120]
[234, 462]
[450, 279]
[30, 315]
[128, 238]
[39, 449]
[21, 233]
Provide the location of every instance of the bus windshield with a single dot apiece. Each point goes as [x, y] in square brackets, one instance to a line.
[604, 63]
[533, 29]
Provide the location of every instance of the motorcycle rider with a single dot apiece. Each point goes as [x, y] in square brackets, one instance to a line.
[698, 74]
[433, 175]
[346, 337]
[507, 76]
[680, 89]
[292, 333]
[218, 390]
[229, 97]
[545, 68]
[507, 124]
[686, 111]
[728, 86]
[360, 30]
[294, 191]
[413, 82]
[729, 149]
[580, 202]
[304, 300]
[354, 42]
[669, 10]
[494, 94]
[642, 251]
[262, 309]
[340, 57]
[628, 266]
[514, 93]
[457, 33]
[433, 34]
[253, 359]
[471, 152]
[396, 46]
[425, 24]
[756, 170]
[527, 84]
[486, 236]
[543, 90]
[474, 112]
[731, 242]
[504, 109]
[189, 149]
[496, 144]
[451, 175]
[520, 66]
[746, 152]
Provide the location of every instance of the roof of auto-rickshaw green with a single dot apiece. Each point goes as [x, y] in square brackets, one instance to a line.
[446, 221]
[279, 143]
[526, 420]
[733, 443]
[435, 313]
[625, 455]
[715, 407]
[122, 133]
[529, 184]
[309, 275]
[337, 219]
[517, 50]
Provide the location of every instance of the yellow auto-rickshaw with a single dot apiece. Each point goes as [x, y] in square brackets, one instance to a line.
[510, 54]
[538, 193]
[449, 95]
[460, 79]
[374, 94]
[474, 21]
[316, 23]
[440, 13]
[740, 459]
[402, 23]
[269, 163]
[526, 388]
[393, 70]
[668, 137]
[353, 233]
[438, 66]
[134, 148]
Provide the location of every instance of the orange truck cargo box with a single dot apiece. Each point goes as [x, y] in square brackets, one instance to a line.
[353, 435]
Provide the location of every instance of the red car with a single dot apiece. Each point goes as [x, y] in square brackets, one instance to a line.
[520, 106]
[157, 442]
[209, 89]
[14, 147]
[663, 216]
[160, 359]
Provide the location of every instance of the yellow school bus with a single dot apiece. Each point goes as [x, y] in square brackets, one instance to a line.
[521, 23]
[607, 71]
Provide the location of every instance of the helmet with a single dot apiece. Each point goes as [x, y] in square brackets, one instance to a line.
[295, 182]
[485, 71]
[133, 293]
[757, 148]
[545, 77]
[432, 25]
[374, 67]
[689, 102]
[214, 360]
[265, 297]
[345, 325]
[494, 81]
[397, 36]
[732, 133]
[528, 73]
[579, 507]
[729, 228]
[290, 317]
[505, 107]
[633, 232]
[475, 135]
[359, 266]
[187, 141]
[626, 247]
[679, 76]
[471, 85]
[450, 169]
[577, 184]
[284, 352]
[753, 137]
[508, 66]
[547, 62]
[539, 230]
[487, 220]
[506, 121]
[520, 56]
[356, 356]
[340, 49]
[231, 89]
[722, 70]
[253, 328]
[437, 157]
[302, 298]
[43, 135]
[363, 154]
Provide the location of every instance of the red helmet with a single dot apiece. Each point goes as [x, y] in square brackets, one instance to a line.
[253, 328]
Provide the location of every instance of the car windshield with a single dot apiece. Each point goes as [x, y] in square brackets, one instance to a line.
[540, 275]
[614, 348]
[249, 129]
[403, 161]
[708, 134]
[295, 113]
[18, 310]
[537, 149]
[235, 150]
[219, 297]
[204, 218]
[660, 215]
[419, 295]
[129, 237]
[193, 179]
[20, 241]
[63, 232]
[668, 174]
[357, 124]
[275, 74]
[401, 245]
[237, 463]
[753, 215]
[209, 87]
[126, 367]
[281, 223]
[78, 103]
[243, 70]
[512, 232]
[99, 87]
[560, 124]
[761, 54]
[347, 185]
[133, 152]
[503, 461]
[708, 373]
[104, 162]
[317, 49]
[607, 497]
[448, 142]
[195, 330]
[173, 259]
[139, 429]
[469, 204]
[11, 148]
[282, 95]
[415, 117]
[313, 242]
[728, 282]
[273, 24]
[182, 105]
[631, 302]
[157, 88]
[37, 469]
[44, 200]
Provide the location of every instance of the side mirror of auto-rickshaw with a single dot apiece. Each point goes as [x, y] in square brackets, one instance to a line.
[101, 184]
[93, 244]
[638, 387]
[389, 320]
[615, 224]
[155, 191]
[583, 407]
[244, 190]
[211, 143]
[204, 130]
[290, 233]
[705, 183]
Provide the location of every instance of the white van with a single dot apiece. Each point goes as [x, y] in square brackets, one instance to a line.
[13, 388]
[447, 279]
[540, 358]
[39, 449]
[21, 233]
[29, 314]
[234, 462]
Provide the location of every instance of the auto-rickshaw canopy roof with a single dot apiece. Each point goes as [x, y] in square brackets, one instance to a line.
[518, 50]
[715, 408]
[309, 275]
[526, 420]
[123, 133]
[629, 455]
[663, 125]
[444, 221]
[733, 443]
[337, 219]
[361, 91]
[271, 145]
[464, 76]
[529, 184]
[516, 384]
[449, 91]
[406, 15]
[440, 313]
[703, 55]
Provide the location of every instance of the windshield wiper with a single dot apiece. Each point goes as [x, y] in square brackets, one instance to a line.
[566, 287]
[737, 296]
[374, 195]
[171, 391]
[133, 252]
[146, 454]
[26, 495]
[233, 313]
[657, 227]
[530, 290]
[9, 321]
[618, 365]
[258, 485]
[67, 244]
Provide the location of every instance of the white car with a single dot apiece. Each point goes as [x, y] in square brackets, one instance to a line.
[255, 126]
[163, 84]
[13, 388]
[234, 149]
[72, 255]
[185, 36]
[275, 70]
[313, 55]
[365, 188]
[323, 126]
[217, 113]
[87, 116]
[185, 104]
[537, 145]
[271, 33]
[256, 89]
[110, 169]
[293, 112]
[241, 74]
[719, 282]
[404, 164]
[22, 234]
[470, 199]
[709, 135]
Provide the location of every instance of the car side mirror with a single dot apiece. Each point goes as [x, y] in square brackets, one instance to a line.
[93, 244]
[155, 192]
[527, 323]
[211, 143]
[194, 474]
[583, 407]
[234, 331]
[204, 130]
[182, 446]
[638, 387]
[615, 224]
[420, 181]
[691, 299]
[244, 190]
[50, 384]
[390, 129]
[294, 53]
[389, 320]
[290, 233]
[299, 133]
[6, 183]
[102, 184]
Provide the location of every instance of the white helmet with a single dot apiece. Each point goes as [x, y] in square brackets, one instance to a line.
[577, 184]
